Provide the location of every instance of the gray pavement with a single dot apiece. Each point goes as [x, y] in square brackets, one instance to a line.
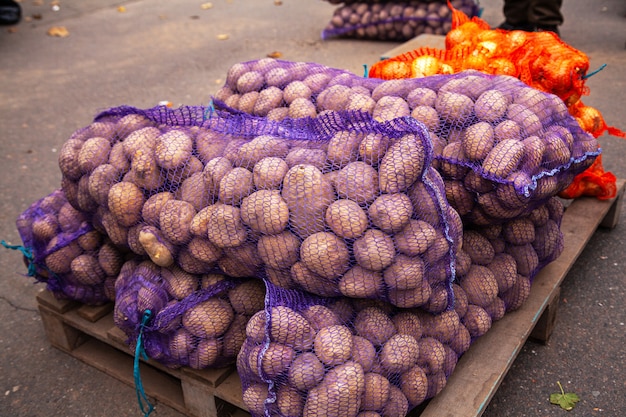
[158, 50]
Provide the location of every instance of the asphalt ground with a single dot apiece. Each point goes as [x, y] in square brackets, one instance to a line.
[157, 51]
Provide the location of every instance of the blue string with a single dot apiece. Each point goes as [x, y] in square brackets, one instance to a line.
[209, 111]
[140, 352]
[28, 254]
[594, 72]
[365, 73]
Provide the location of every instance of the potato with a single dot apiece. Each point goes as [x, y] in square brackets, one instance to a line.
[346, 219]
[308, 194]
[480, 285]
[408, 323]
[254, 397]
[144, 138]
[312, 282]
[265, 211]
[496, 310]
[425, 206]
[461, 340]
[193, 265]
[290, 401]
[405, 273]
[358, 181]
[279, 251]
[125, 203]
[178, 283]
[275, 359]
[209, 319]
[235, 186]
[193, 190]
[363, 352]
[300, 108]
[359, 282]
[255, 327]
[449, 165]
[144, 170]
[428, 116]
[454, 108]
[296, 89]
[298, 155]
[361, 102]
[374, 250]
[115, 231]
[391, 212]
[268, 173]
[159, 249]
[320, 316]
[389, 108]
[248, 297]
[151, 210]
[412, 297]
[68, 159]
[241, 261]
[175, 221]
[290, 328]
[268, 99]
[526, 258]
[503, 158]
[534, 149]
[491, 106]
[207, 353]
[110, 259]
[262, 147]
[250, 81]
[203, 250]
[325, 254]
[414, 385]
[415, 238]
[280, 278]
[131, 123]
[432, 355]
[402, 165]
[373, 147]
[547, 240]
[181, 345]
[214, 170]
[278, 114]
[556, 153]
[306, 371]
[477, 247]
[343, 148]
[333, 98]
[333, 344]
[477, 141]
[86, 270]
[375, 325]
[493, 208]
[376, 393]
[225, 228]
[476, 320]
[508, 193]
[504, 269]
[527, 120]
[339, 394]
[515, 296]
[519, 231]
[399, 353]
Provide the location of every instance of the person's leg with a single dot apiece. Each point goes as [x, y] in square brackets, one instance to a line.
[517, 15]
[546, 15]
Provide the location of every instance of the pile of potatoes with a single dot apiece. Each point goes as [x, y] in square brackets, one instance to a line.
[497, 263]
[342, 357]
[394, 20]
[351, 209]
[502, 147]
[198, 321]
[76, 261]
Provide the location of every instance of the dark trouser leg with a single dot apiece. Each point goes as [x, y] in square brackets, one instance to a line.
[517, 12]
[547, 12]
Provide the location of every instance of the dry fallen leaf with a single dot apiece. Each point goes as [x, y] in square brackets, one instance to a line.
[58, 31]
[222, 37]
[275, 54]
[206, 6]
[12, 29]
[121, 9]
[278, 3]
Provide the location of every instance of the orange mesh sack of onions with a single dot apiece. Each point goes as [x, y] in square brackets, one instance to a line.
[539, 59]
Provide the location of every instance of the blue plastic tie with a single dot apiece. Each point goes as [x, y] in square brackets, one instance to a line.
[365, 71]
[141, 353]
[208, 113]
[28, 254]
[584, 77]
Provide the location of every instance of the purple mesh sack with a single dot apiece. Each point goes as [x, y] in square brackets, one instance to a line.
[210, 190]
[393, 20]
[307, 355]
[197, 321]
[497, 264]
[75, 261]
[502, 147]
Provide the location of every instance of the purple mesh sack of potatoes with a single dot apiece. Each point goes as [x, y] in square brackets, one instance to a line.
[502, 147]
[74, 260]
[318, 356]
[196, 321]
[337, 205]
[496, 265]
[394, 20]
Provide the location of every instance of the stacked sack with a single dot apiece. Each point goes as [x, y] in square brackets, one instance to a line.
[390, 20]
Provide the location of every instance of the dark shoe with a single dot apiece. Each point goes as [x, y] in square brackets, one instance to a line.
[526, 27]
[548, 28]
[10, 12]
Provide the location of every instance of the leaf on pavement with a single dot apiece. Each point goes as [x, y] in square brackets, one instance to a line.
[58, 31]
[567, 401]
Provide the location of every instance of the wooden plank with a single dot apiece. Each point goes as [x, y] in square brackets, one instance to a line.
[425, 39]
[230, 391]
[47, 299]
[545, 325]
[612, 217]
[483, 367]
[95, 313]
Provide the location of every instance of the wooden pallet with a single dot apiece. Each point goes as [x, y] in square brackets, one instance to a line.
[89, 334]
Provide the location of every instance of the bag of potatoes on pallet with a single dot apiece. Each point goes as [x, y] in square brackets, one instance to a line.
[318, 356]
[339, 204]
[497, 264]
[63, 250]
[390, 20]
[184, 319]
[502, 147]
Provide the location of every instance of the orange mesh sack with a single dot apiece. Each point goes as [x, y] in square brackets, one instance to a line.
[393, 20]
[502, 147]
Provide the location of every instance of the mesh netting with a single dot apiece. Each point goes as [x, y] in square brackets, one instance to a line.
[393, 20]
[502, 147]
[307, 355]
[75, 261]
[337, 205]
[197, 321]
